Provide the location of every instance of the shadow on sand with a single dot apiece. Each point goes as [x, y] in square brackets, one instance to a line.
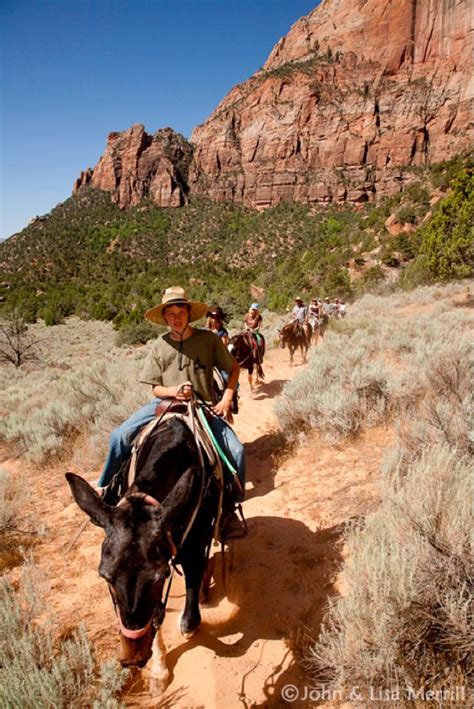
[269, 390]
[279, 579]
[263, 455]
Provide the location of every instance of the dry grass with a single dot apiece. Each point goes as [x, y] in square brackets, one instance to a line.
[406, 621]
[378, 364]
[41, 668]
[405, 624]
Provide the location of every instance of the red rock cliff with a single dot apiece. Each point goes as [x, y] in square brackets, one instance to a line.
[356, 91]
[137, 166]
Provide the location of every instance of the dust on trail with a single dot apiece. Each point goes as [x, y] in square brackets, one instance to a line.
[278, 579]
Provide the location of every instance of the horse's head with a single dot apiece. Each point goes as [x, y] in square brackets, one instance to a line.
[240, 346]
[135, 557]
[285, 333]
[281, 339]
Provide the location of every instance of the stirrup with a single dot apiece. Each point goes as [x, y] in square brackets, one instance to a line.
[233, 527]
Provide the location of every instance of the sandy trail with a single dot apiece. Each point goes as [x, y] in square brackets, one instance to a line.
[278, 579]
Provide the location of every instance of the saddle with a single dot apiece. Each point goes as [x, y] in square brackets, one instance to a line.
[210, 454]
[257, 349]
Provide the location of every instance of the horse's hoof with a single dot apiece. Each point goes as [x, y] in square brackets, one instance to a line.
[188, 627]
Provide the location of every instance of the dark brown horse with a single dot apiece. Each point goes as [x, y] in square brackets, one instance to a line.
[295, 335]
[165, 518]
[249, 355]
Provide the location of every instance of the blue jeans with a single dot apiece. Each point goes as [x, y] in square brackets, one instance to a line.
[121, 440]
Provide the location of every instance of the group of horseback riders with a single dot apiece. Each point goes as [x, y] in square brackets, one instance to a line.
[313, 319]
[181, 364]
[174, 476]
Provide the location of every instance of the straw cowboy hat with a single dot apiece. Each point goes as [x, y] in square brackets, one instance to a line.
[176, 296]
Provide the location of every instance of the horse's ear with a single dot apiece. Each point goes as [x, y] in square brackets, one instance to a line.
[179, 496]
[89, 501]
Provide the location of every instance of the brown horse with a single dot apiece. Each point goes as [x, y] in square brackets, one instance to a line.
[249, 356]
[296, 335]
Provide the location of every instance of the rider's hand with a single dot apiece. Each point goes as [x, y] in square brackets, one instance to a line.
[222, 408]
[184, 391]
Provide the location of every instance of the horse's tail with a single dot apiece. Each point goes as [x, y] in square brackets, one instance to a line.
[260, 371]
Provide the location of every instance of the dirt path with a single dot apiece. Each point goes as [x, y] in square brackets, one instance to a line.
[280, 576]
[278, 579]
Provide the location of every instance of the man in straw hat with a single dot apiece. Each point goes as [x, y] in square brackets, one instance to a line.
[300, 311]
[180, 361]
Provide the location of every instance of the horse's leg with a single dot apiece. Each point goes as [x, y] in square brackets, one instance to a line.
[315, 336]
[250, 378]
[159, 673]
[290, 347]
[207, 579]
[192, 559]
[258, 364]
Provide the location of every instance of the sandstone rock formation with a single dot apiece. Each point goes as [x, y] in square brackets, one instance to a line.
[137, 166]
[356, 93]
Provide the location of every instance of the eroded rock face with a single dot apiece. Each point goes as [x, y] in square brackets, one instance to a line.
[137, 166]
[356, 92]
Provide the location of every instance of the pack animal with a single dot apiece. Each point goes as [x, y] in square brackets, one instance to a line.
[249, 356]
[166, 515]
[294, 336]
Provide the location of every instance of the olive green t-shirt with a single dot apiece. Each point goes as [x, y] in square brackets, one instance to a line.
[201, 352]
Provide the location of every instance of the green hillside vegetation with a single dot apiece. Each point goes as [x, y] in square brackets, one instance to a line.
[89, 258]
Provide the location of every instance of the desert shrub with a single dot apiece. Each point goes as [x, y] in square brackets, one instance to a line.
[406, 621]
[347, 386]
[12, 497]
[38, 672]
[407, 214]
[57, 410]
[137, 334]
[19, 529]
[383, 360]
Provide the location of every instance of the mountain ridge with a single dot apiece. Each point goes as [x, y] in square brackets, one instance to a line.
[354, 94]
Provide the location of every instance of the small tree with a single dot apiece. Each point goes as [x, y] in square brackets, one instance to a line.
[16, 343]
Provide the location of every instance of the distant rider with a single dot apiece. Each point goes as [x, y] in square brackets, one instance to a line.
[252, 323]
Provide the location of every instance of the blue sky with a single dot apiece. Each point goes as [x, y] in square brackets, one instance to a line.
[74, 70]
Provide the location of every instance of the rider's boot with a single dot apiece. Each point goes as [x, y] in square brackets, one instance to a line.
[232, 527]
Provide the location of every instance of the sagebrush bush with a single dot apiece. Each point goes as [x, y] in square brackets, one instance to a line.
[404, 629]
[36, 672]
[58, 408]
[406, 621]
[137, 334]
[12, 498]
[381, 361]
